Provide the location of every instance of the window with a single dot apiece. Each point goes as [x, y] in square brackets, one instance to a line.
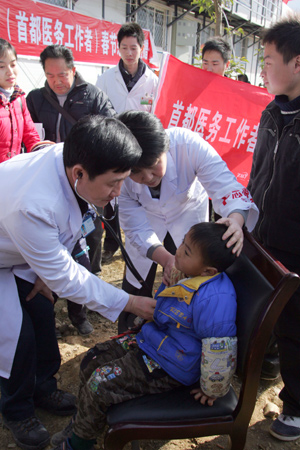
[64, 3]
[154, 20]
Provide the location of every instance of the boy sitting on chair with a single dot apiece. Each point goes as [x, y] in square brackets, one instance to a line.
[166, 352]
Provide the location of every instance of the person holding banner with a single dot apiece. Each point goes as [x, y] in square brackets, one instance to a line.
[274, 184]
[129, 85]
[45, 210]
[167, 192]
[16, 123]
[216, 54]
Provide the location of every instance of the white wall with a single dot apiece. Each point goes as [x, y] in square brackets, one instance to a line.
[114, 10]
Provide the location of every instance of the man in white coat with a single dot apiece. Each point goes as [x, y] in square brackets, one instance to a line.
[167, 192]
[45, 207]
[129, 85]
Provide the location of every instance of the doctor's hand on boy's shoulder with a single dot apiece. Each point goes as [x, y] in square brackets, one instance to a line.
[141, 306]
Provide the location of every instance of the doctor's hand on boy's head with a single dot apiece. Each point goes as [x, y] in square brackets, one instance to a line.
[234, 222]
[203, 398]
[141, 306]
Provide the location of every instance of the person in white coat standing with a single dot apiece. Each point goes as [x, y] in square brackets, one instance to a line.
[130, 85]
[49, 196]
[167, 192]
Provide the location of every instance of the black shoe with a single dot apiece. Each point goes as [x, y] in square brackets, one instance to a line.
[107, 256]
[58, 333]
[286, 428]
[60, 403]
[270, 368]
[84, 328]
[29, 434]
[63, 435]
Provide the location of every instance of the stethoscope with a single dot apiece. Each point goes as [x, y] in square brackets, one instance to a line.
[117, 236]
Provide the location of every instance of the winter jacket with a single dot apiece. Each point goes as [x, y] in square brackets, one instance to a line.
[275, 181]
[193, 309]
[139, 98]
[84, 99]
[16, 126]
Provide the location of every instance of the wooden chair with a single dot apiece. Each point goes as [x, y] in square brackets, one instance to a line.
[263, 287]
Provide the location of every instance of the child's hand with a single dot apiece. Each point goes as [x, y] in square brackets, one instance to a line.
[203, 398]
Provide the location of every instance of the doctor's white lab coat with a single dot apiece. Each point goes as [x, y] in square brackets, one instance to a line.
[40, 223]
[139, 98]
[194, 169]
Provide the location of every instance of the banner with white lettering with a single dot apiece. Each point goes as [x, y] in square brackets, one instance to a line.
[31, 25]
[224, 112]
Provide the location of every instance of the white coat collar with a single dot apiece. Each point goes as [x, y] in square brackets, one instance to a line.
[75, 217]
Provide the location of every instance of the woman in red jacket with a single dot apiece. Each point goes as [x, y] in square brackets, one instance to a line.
[16, 125]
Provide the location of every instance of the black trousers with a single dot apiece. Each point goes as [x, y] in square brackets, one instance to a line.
[128, 287]
[93, 240]
[110, 244]
[77, 312]
[37, 358]
[287, 332]
[126, 320]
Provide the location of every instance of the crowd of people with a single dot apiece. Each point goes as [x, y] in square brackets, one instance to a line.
[103, 142]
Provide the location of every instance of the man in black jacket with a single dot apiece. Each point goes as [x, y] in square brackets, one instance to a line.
[274, 185]
[66, 98]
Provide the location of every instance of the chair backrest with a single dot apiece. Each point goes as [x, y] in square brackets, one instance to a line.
[263, 286]
[253, 292]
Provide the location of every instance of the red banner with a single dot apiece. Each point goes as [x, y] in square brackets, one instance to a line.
[224, 112]
[30, 26]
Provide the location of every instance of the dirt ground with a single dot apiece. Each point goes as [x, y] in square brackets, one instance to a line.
[73, 347]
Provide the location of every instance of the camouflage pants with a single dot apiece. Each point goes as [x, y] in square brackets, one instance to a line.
[110, 373]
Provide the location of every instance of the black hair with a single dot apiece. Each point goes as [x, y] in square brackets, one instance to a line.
[285, 34]
[56, 52]
[219, 45]
[150, 134]
[207, 237]
[243, 77]
[6, 46]
[131, 29]
[100, 144]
